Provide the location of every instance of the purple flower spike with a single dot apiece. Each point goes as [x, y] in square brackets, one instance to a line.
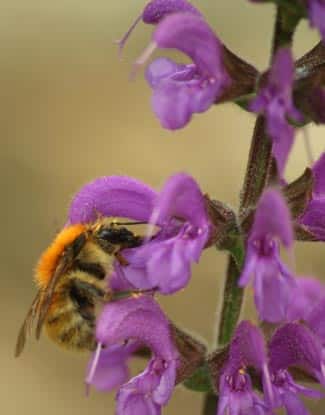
[140, 319]
[236, 394]
[274, 100]
[180, 90]
[273, 282]
[314, 215]
[112, 196]
[293, 345]
[155, 11]
[316, 10]
[164, 262]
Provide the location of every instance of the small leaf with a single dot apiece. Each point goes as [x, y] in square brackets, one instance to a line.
[199, 381]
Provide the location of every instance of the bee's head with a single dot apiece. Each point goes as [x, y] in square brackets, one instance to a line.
[118, 236]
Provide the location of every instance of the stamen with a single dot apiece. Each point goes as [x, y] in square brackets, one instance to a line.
[145, 55]
[267, 381]
[93, 367]
[308, 148]
[121, 43]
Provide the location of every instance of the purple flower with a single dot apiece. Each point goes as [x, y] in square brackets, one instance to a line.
[111, 366]
[274, 100]
[308, 305]
[314, 216]
[181, 90]
[155, 11]
[163, 262]
[138, 319]
[304, 297]
[236, 395]
[273, 282]
[293, 345]
[316, 11]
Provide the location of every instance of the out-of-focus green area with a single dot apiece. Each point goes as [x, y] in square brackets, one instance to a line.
[68, 114]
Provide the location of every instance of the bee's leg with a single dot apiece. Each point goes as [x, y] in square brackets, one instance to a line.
[121, 258]
[92, 293]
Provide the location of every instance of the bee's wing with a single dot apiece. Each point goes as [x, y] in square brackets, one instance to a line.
[43, 299]
[63, 266]
[26, 326]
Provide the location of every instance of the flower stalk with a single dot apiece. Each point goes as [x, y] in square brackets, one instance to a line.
[259, 172]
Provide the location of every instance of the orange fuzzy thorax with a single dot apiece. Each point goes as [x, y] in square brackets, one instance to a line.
[49, 259]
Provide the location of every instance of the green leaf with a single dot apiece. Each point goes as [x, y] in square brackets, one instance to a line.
[200, 380]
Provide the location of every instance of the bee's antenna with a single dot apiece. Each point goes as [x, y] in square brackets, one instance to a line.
[129, 223]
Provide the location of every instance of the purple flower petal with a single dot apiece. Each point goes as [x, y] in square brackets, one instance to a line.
[112, 370]
[315, 318]
[180, 90]
[285, 393]
[164, 262]
[273, 291]
[131, 403]
[180, 198]
[296, 345]
[119, 196]
[273, 219]
[314, 217]
[236, 395]
[317, 15]
[141, 320]
[307, 293]
[156, 10]
[319, 176]
[247, 348]
[191, 35]
[273, 282]
[274, 100]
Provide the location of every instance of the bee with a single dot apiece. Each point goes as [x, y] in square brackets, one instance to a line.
[71, 282]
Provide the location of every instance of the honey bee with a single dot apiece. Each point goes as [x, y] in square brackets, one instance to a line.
[71, 281]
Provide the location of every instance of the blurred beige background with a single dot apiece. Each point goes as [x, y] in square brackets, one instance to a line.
[69, 114]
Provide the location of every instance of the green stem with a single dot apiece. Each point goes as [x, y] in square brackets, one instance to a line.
[232, 302]
[210, 404]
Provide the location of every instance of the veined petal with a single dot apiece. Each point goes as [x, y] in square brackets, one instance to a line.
[119, 196]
